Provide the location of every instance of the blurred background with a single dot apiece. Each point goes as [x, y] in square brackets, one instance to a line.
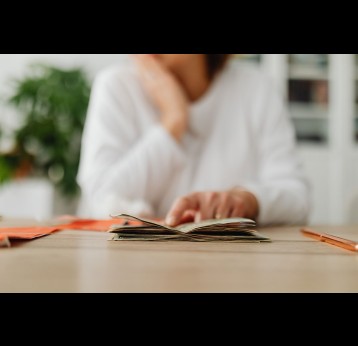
[43, 103]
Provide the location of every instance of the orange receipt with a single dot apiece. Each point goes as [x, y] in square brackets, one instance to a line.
[27, 233]
[331, 239]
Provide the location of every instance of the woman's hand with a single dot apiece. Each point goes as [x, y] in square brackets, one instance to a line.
[200, 206]
[166, 93]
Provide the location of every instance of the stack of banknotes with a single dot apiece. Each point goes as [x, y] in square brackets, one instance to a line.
[222, 230]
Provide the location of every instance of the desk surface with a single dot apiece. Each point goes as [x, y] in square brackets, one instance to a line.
[83, 261]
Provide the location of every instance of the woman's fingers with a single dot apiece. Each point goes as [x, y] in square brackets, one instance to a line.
[150, 68]
[212, 205]
[180, 206]
[166, 93]
[204, 203]
[226, 204]
[238, 209]
[208, 204]
[188, 216]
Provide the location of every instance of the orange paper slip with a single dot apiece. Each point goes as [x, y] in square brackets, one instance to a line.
[39, 231]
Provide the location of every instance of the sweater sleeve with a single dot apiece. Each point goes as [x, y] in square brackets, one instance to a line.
[281, 189]
[121, 166]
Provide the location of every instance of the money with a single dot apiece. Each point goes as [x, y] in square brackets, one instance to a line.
[222, 230]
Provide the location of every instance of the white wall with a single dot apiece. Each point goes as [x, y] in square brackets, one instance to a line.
[15, 64]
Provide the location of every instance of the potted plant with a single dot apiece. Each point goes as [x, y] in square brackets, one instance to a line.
[52, 105]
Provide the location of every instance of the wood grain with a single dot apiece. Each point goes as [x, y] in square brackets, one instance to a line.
[82, 261]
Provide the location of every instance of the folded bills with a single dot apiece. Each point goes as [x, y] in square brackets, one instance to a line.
[223, 230]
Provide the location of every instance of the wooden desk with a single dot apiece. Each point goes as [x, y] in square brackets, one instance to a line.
[82, 261]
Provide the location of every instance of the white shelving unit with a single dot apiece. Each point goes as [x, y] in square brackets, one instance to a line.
[329, 151]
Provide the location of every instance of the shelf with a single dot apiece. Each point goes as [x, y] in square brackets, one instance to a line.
[308, 59]
[312, 148]
[249, 58]
[312, 141]
[311, 123]
[308, 111]
[308, 72]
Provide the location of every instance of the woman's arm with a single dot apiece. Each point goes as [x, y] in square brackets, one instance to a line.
[165, 92]
[119, 170]
[278, 194]
[281, 189]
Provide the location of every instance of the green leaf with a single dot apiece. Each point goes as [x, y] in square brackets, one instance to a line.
[53, 103]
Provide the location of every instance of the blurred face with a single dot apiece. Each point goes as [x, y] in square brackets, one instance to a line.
[176, 62]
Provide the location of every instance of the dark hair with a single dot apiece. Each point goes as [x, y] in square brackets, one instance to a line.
[215, 62]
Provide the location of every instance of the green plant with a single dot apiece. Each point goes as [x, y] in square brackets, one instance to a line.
[53, 104]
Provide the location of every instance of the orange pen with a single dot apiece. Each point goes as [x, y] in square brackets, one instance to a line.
[331, 239]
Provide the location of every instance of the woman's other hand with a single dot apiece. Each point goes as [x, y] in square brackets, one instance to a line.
[200, 206]
[166, 93]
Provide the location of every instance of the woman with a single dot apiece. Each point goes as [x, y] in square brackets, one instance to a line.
[190, 137]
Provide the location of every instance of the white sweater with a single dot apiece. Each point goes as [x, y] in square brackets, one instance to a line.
[239, 135]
